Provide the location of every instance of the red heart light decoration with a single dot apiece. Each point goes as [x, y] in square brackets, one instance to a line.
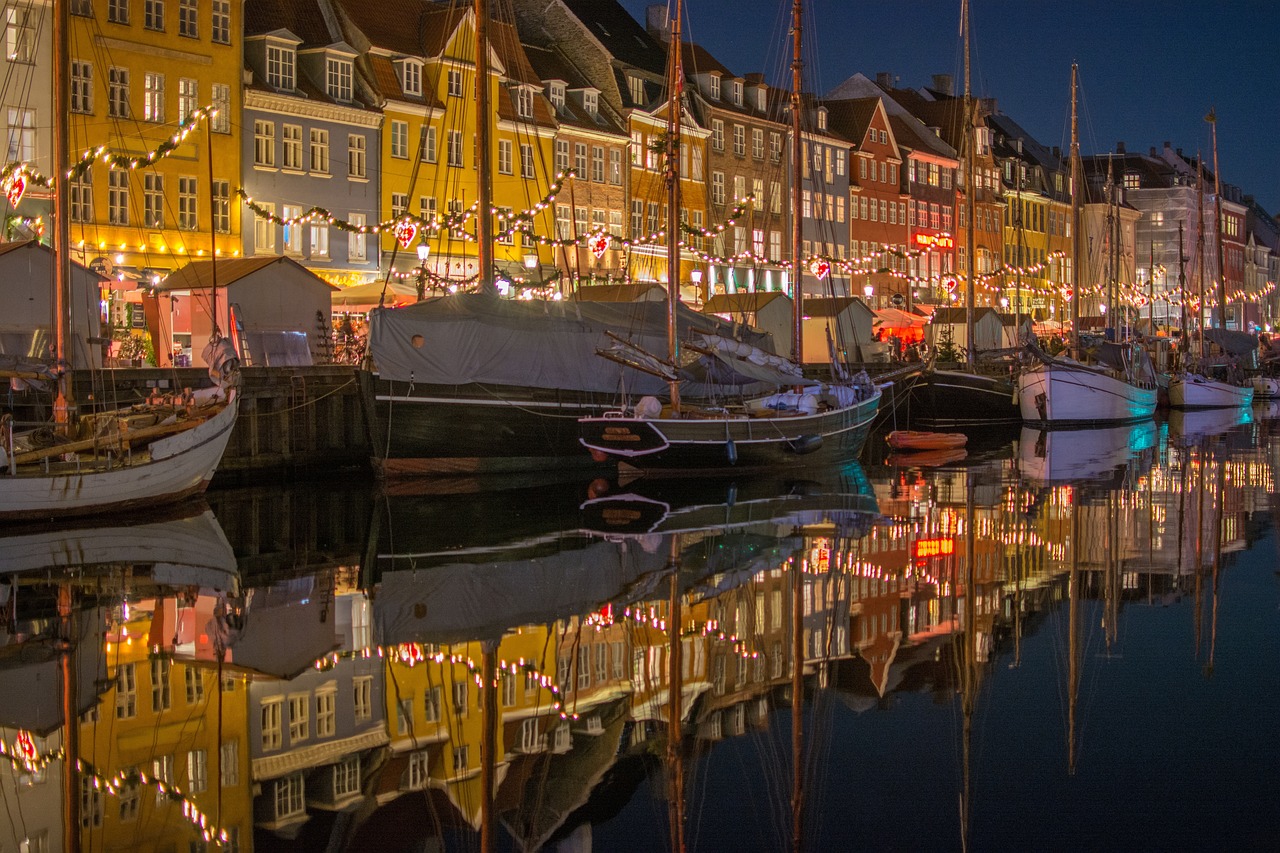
[406, 230]
[820, 268]
[17, 186]
[950, 285]
[1068, 293]
[598, 244]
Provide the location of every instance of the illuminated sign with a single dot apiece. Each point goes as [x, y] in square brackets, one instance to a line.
[925, 548]
[935, 241]
[820, 560]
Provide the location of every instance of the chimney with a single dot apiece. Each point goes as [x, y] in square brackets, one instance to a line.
[656, 22]
[884, 79]
[944, 84]
[1120, 147]
[1179, 152]
[1153, 151]
[988, 106]
[1057, 153]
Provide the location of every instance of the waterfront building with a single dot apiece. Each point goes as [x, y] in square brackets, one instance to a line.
[1262, 259]
[309, 140]
[27, 109]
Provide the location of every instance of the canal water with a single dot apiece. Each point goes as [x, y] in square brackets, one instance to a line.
[1055, 641]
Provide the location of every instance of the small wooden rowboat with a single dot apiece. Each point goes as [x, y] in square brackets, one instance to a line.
[905, 439]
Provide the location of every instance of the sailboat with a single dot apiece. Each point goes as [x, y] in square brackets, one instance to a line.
[968, 396]
[805, 422]
[1119, 388]
[1196, 389]
[108, 461]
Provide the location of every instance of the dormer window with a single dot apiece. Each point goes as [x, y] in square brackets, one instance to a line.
[555, 92]
[337, 78]
[737, 93]
[280, 67]
[715, 87]
[822, 119]
[590, 102]
[524, 102]
[760, 98]
[410, 76]
[635, 88]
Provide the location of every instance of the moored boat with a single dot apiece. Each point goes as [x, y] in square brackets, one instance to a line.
[919, 440]
[1193, 391]
[1121, 388]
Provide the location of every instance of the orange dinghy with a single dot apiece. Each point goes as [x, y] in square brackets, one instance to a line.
[904, 439]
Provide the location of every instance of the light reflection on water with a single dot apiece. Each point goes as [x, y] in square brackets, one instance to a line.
[303, 668]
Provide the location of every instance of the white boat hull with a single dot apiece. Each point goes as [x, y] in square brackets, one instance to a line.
[1064, 394]
[1190, 391]
[170, 469]
[1266, 387]
[1048, 457]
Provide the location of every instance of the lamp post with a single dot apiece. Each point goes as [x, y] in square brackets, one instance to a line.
[869, 291]
[532, 263]
[696, 277]
[424, 251]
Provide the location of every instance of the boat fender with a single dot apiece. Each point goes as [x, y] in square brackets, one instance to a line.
[732, 450]
[804, 444]
[648, 408]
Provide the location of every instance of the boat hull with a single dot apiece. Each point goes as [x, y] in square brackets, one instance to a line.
[1075, 395]
[1189, 391]
[667, 445]
[174, 468]
[1266, 387]
[951, 398]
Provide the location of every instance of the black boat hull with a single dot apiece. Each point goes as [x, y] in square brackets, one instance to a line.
[953, 398]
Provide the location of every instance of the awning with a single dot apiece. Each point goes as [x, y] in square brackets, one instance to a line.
[398, 293]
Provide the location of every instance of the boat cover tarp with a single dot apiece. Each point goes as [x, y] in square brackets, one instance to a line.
[1128, 359]
[1239, 344]
[469, 338]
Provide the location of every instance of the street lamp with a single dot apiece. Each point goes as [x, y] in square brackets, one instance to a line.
[424, 251]
[532, 263]
[869, 291]
[696, 277]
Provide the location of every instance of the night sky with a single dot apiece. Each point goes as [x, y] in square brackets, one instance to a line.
[1149, 71]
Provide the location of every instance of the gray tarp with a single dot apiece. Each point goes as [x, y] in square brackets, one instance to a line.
[1239, 344]
[468, 338]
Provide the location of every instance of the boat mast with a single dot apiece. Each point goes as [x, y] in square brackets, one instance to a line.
[969, 144]
[64, 404]
[1111, 252]
[797, 705]
[1075, 216]
[1151, 288]
[484, 159]
[675, 703]
[1212, 118]
[675, 84]
[797, 152]
[1182, 287]
[1200, 250]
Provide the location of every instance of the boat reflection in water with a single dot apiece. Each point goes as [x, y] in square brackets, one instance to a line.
[685, 665]
[1056, 456]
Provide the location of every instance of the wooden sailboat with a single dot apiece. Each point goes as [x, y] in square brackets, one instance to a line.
[110, 461]
[1119, 388]
[802, 422]
[1197, 389]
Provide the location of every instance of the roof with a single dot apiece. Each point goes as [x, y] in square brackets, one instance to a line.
[850, 117]
[956, 316]
[300, 17]
[735, 303]
[832, 306]
[549, 63]
[13, 246]
[618, 292]
[1032, 150]
[908, 130]
[622, 35]
[198, 275]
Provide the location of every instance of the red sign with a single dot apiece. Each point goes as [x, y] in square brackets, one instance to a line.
[950, 285]
[406, 230]
[24, 746]
[1068, 293]
[820, 268]
[925, 548]
[598, 244]
[17, 186]
[935, 241]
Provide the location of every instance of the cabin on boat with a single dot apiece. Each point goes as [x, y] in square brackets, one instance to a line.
[764, 310]
[988, 330]
[849, 320]
[276, 311]
[1016, 329]
[644, 291]
[26, 304]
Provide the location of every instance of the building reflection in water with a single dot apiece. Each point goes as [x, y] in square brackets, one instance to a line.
[316, 676]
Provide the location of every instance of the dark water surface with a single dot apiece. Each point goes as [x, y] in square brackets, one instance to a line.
[1062, 641]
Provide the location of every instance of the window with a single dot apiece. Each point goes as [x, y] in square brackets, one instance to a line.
[126, 688]
[419, 769]
[555, 93]
[455, 83]
[635, 88]
[221, 22]
[161, 688]
[460, 697]
[410, 77]
[118, 92]
[319, 239]
[221, 97]
[717, 188]
[83, 8]
[299, 719]
[597, 163]
[264, 143]
[717, 134]
[715, 86]
[264, 241]
[292, 229]
[739, 140]
[431, 704]
[526, 160]
[188, 220]
[757, 143]
[291, 146]
[22, 134]
[90, 803]
[19, 35]
[162, 770]
[637, 230]
[399, 205]
[775, 197]
[356, 251]
[197, 771]
[320, 151]
[280, 67]
[461, 759]
[188, 16]
[454, 141]
[337, 75]
[129, 798]
[229, 764]
[118, 11]
[188, 97]
[504, 156]
[222, 213]
[427, 144]
[562, 155]
[153, 97]
[580, 160]
[737, 93]
[357, 156]
[289, 796]
[326, 712]
[400, 139]
[775, 246]
[81, 87]
[270, 710]
[615, 166]
[524, 102]
[775, 147]
[346, 777]
[1132, 181]
[82, 198]
[153, 15]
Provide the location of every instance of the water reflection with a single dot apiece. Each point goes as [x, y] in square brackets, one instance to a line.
[701, 665]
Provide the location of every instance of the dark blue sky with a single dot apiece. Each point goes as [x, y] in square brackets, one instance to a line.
[1149, 71]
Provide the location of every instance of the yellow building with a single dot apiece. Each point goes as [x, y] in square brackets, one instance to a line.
[139, 69]
[425, 78]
